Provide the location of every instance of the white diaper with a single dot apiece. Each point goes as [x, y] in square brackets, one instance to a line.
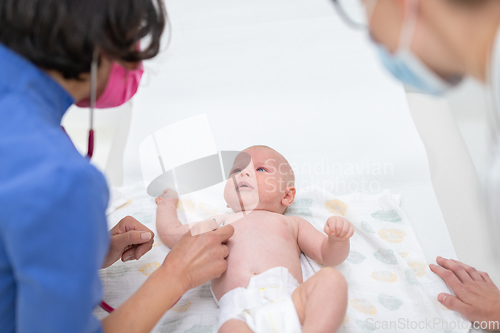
[265, 305]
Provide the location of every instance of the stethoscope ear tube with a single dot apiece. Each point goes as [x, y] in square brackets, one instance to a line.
[93, 93]
[90, 148]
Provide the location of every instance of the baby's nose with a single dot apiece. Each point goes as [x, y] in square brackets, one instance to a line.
[246, 173]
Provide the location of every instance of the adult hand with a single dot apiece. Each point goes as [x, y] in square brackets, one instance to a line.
[130, 240]
[195, 260]
[478, 299]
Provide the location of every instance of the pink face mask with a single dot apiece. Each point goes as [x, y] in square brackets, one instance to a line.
[122, 86]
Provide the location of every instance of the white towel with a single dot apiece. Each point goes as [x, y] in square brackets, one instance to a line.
[391, 288]
[390, 285]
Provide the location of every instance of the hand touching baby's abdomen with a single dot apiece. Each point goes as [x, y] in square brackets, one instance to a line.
[261, 241]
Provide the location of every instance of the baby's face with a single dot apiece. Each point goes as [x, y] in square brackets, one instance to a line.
[257, 184]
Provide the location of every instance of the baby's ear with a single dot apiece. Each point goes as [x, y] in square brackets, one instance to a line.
[289, 196]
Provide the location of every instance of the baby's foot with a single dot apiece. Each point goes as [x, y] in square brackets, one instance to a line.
[168, 195]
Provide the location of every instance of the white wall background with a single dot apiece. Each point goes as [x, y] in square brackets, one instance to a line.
[469, 104]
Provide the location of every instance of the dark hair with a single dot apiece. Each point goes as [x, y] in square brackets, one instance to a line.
[61, 35]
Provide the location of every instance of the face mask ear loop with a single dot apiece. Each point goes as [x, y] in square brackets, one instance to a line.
[409, 25]
[93, 93]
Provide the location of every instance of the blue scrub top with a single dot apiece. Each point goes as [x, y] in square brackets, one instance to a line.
[53, 230]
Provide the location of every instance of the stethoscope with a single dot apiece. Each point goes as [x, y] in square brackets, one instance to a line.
[93, 92]
[90, 147]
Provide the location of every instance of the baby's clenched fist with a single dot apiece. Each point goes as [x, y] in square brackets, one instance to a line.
[339, 228]
[168, 195]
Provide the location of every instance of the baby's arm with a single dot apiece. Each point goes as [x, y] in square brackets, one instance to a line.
[329, 250]
[168, 226]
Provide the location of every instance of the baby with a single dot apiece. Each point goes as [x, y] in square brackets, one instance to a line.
[262, 289]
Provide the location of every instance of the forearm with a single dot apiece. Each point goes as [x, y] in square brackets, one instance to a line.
[144, 308]
[334, 252]
[168, 226]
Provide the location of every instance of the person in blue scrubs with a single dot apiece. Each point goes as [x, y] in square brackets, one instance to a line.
[431, 45]
[53, 230]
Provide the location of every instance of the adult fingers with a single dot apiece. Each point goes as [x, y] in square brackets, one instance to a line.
[486, 277]
[220, 267]
[133, 224]
[128, 223]
[453, 303]
[136, 251]
[129, 254]
[474, 273]
[143, 249]
[448, 276]
[225, 251]
[456, 268]
[132, 238]
[224, 233]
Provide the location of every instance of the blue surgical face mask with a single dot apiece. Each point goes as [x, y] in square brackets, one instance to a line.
[406, 66]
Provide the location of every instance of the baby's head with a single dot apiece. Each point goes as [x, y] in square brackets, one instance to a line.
[266, 182]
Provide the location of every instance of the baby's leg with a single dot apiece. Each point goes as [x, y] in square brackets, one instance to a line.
[321, 301]
[235, 325]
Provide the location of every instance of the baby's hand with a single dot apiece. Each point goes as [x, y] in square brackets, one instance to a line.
[168, 195]
[339, 228]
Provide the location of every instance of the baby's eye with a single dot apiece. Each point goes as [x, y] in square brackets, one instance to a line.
[261, 169]
[235, 171]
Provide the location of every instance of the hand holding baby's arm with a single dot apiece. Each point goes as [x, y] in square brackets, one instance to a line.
[336, 247]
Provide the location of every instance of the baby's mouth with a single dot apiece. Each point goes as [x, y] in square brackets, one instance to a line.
[244, 186]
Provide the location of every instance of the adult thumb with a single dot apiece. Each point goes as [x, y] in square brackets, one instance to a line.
[133, 237]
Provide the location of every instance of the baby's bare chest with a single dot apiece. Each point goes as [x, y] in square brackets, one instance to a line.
[260, 226]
